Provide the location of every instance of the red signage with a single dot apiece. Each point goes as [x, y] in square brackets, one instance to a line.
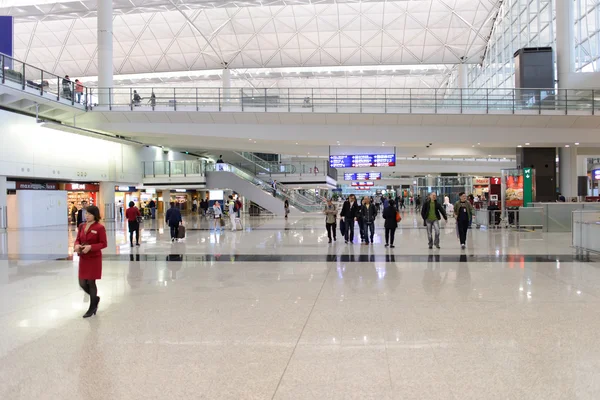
[495, 181]
[481, 181]
[35, 186]
[81, 187]
[363, 183]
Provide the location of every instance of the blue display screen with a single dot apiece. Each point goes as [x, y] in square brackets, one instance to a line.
[363, 176]
[362, 160]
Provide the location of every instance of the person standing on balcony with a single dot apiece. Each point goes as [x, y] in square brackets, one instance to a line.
[78, 89]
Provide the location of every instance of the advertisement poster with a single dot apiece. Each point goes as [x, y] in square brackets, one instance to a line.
[514, 189]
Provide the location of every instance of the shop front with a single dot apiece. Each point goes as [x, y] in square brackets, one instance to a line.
[78, 192]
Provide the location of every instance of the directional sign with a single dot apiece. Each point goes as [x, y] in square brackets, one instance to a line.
[362, 160]
[527, 186]
[362, 176]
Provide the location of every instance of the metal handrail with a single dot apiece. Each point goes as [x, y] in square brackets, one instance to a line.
[355, 100]
[32, 79]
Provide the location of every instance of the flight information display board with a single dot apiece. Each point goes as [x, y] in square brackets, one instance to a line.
[362, 160]
[362, 176]
[369, 183]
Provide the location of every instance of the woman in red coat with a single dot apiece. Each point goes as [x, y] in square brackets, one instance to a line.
[91, 239]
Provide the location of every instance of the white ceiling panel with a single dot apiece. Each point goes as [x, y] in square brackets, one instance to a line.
[198, 34]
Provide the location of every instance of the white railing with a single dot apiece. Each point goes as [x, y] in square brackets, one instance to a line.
[586, 231]
[353, 100]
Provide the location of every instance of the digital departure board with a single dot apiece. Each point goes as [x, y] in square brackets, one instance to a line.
[368, 183]
[362, 176]
[362, 160]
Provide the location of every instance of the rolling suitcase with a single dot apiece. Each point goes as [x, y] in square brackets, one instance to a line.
[181, 232]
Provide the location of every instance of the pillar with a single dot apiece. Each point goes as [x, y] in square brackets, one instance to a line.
[3, 200]
[543, 160]
[226, 77]
[567, 170]
[462, 76]
[565, 42]
[106, 201]
[105, 50]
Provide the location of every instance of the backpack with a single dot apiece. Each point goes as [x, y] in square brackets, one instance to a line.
[237, 206]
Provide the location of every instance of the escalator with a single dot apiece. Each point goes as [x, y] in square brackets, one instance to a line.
[254, 189]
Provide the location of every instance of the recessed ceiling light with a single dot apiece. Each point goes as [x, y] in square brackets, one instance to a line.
[566, 145]
[489, 155]
[296, 142]
[478, 144]
[249, 139]
[473, 145]
[577, 144]
[527, 144]
[519, 146]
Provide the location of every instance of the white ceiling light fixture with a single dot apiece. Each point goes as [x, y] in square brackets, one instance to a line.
[527, 144]
[576, 143]
[519, 146]
[566, 145]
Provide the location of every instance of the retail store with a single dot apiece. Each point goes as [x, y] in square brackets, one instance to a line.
[78, 192]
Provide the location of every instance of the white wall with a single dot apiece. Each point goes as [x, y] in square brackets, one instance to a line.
[153, 153]
[37, 208]
[30, 151]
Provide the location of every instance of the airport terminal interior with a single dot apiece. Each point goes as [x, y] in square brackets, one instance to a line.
[299, 199]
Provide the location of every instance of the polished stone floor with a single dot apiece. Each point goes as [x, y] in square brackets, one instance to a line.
[275, 312]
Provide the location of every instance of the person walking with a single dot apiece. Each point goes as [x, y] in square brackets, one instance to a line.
[431, 212]
[232, 212]
[194, 205]
[330, 219]
[73, 213]
[463, 212]
[133, 216]
[217, 215]
[286, 208]
[418, 203]
[152, 206]
[91, 239]
[81, 213]
[391, 223]
[173, 219]
[66, 87]
[350, 211]
[368, 212]
[78, 90]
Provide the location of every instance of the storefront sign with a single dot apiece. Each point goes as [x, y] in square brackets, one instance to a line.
[596, 174]
[363, 183]
[481, 181]
[128, 189]
[36, 186]
[495, 181]
[81, 187]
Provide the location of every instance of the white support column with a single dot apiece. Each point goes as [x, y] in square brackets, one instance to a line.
[462, 76]
[568, 171]
[226, 77]
[106, 201]
[565, 42]
[105, 50]
[3, 201]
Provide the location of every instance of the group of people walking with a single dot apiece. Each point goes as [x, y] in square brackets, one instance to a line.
[366, 213]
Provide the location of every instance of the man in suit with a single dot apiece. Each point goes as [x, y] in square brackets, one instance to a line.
[173, 219]
[81, 213]
[350, 211]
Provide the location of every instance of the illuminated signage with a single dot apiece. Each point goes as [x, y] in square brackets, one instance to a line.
[596, 174]
[481, 181]
[362, 160]
[35, 186]
[495, 181]
[363, 184]
[362, 176]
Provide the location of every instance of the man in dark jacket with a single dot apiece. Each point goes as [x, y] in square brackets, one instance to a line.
[432, 212]
[173, 219]
[350, 211]
[368, 212]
